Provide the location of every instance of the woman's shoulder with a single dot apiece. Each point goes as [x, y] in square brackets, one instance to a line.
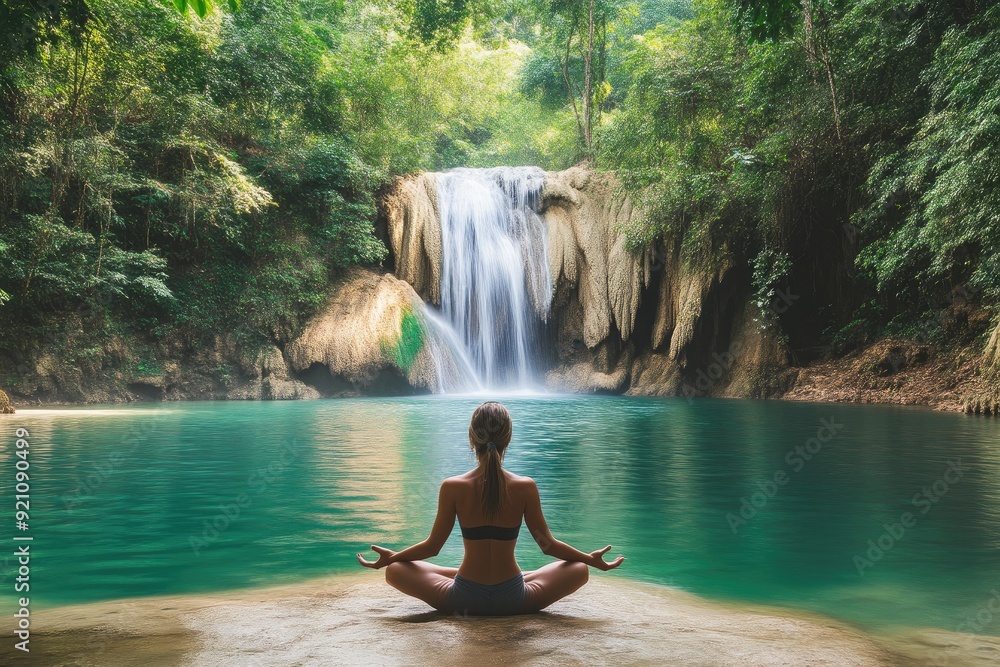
[471, 476]
[455, 480]
[520, 480]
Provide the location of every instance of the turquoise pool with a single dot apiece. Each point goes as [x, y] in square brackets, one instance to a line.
[794, 504]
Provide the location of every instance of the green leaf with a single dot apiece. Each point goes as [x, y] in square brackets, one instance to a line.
[234, 5]
[181, 5]
[201, 8]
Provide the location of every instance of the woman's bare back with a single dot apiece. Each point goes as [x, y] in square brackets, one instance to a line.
[489, 570]
[489, 561]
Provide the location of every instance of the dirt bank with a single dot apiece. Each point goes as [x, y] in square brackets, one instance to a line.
[899, 371]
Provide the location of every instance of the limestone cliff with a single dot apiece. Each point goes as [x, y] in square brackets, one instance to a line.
[370, 337]
[592, 269]
[5, 407]
[415, 233]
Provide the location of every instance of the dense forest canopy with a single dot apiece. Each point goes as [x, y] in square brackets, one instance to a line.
[171, 169]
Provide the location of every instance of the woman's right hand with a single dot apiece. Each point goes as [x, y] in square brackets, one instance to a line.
[597, 559]
[383, 558]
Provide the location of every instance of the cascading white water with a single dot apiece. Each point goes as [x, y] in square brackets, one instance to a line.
[495, 283]
[453, 368]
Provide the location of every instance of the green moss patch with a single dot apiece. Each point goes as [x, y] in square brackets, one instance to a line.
[404, 350]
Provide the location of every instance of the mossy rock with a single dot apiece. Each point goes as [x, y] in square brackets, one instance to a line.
[5, 407]
[404, 350]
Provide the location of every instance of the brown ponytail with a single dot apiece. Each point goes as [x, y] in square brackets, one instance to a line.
[489, 434]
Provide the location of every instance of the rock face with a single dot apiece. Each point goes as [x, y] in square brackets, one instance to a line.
[415, 233]
[5, 407]
[595, 276]
[652, 322]
[359, 620]
[992, 356]
[647, 322]
[272, 379]
[984, 396]
[369, 338]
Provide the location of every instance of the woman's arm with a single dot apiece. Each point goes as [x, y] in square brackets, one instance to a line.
[443, 523]
[550, 546]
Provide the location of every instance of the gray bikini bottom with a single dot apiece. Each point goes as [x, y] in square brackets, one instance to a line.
[473, 599]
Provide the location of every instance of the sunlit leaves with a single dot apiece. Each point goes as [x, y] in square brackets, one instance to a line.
[672, 142]
[159, 168]
[203, 7]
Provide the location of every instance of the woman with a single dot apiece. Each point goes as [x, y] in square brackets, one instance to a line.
[489, 503]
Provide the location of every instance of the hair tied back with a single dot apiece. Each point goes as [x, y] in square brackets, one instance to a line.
[491, 423]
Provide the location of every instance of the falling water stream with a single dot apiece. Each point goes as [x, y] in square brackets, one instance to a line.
[496, 288]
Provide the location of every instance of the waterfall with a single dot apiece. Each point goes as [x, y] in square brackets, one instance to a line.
[454, 370]
[495, 283]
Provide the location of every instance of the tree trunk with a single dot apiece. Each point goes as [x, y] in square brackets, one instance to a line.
[569, 87]
[588, 93]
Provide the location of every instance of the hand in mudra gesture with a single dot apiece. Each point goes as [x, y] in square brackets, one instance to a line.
[383, 557]
[597, 559]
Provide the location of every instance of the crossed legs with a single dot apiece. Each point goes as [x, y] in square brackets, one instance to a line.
[422, 580]
[554, 581]
[432, 583]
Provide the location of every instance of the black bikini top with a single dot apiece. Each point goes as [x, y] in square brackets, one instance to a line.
[491, 532]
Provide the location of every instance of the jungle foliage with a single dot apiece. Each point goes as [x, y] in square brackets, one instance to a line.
[172, 170]
[846, 149]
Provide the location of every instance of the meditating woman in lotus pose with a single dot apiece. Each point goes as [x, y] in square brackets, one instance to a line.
[489, 503]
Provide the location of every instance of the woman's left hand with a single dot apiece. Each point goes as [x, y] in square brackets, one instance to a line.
[383, 557]
[597, 559]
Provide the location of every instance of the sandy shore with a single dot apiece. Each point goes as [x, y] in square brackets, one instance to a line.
[82, 411]
[359, 620]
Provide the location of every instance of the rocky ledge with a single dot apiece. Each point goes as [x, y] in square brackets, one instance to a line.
[360, 620]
